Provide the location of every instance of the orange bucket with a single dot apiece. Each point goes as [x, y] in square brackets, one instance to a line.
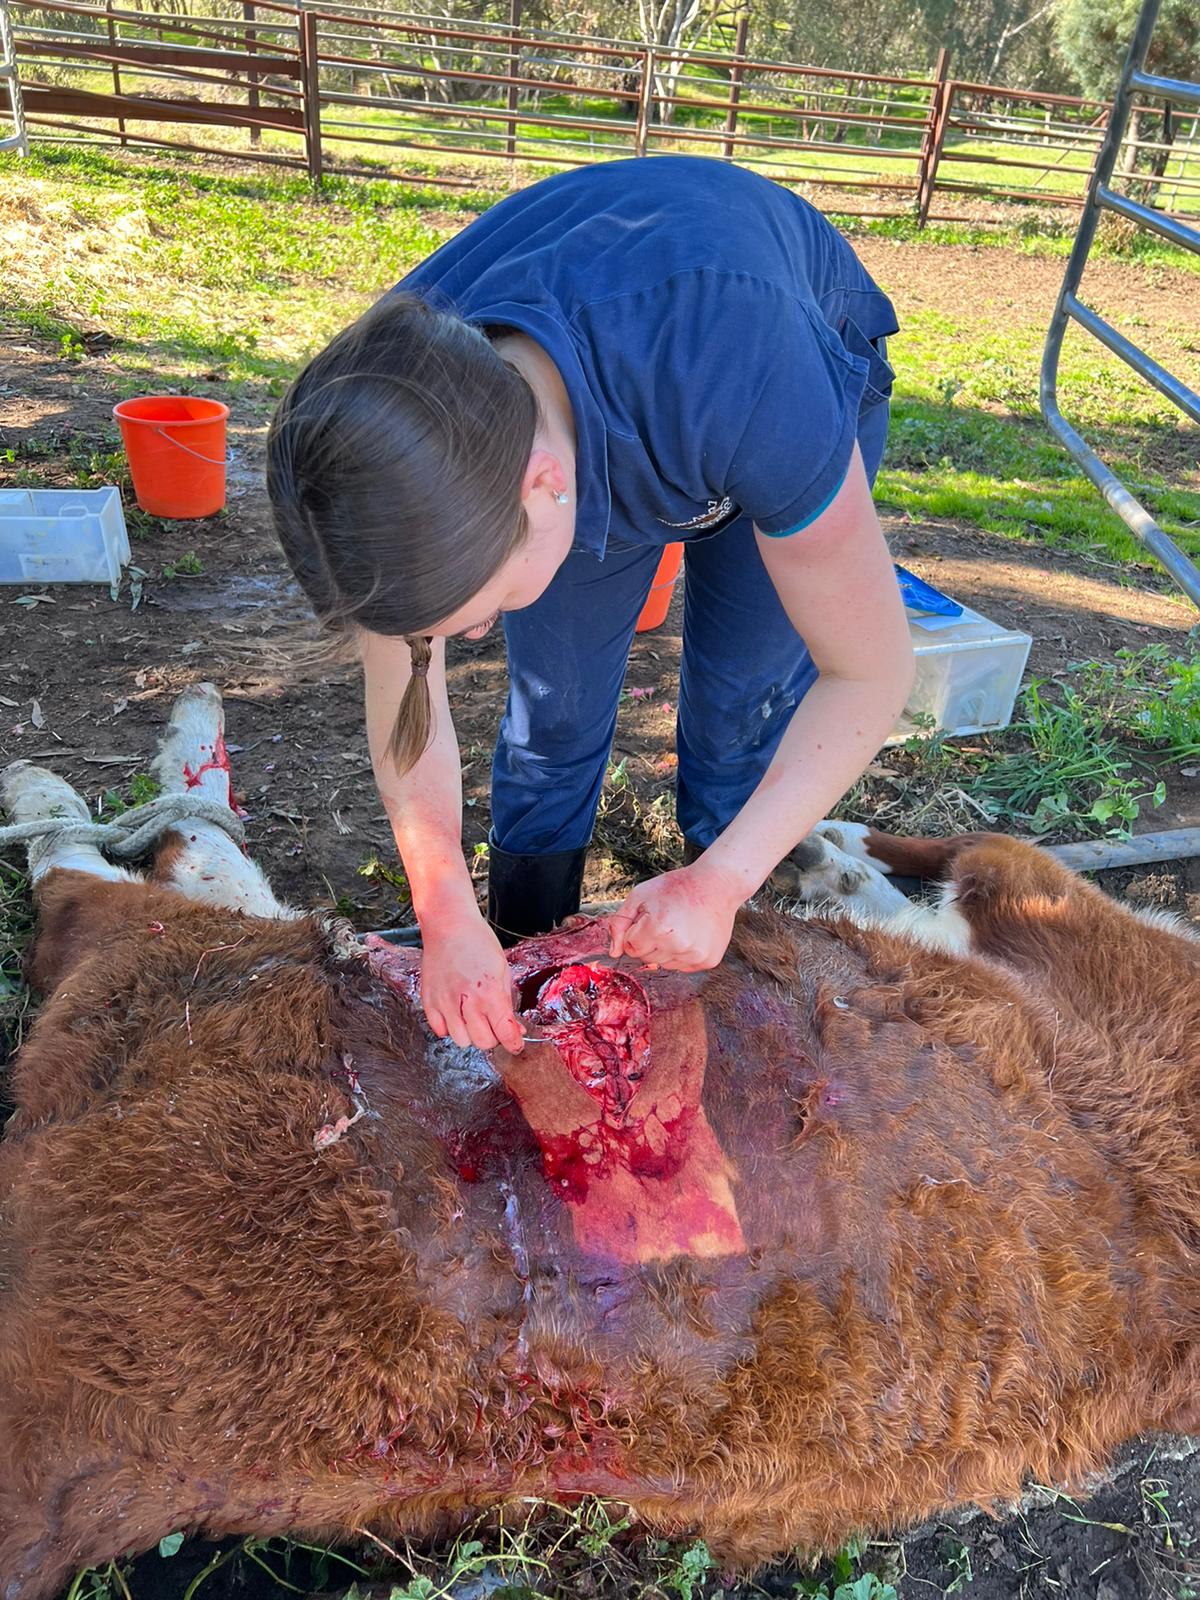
[176, 450]
[658, 601]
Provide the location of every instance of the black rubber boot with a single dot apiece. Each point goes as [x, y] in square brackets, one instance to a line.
[528, 895]
[692, 851]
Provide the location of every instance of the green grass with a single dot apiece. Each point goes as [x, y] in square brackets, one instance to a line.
[197, 271]
[541, 1552]
[1085, 756]
[967, 442]
[1073, 773]
[237, 278]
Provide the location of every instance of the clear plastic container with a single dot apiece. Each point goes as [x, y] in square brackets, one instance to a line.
[969, 670]
[62, 536]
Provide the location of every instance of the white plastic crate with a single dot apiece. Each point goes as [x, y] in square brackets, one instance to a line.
[62, 536]
[969, 670]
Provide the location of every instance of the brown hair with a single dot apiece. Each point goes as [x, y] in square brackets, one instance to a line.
[394, 467]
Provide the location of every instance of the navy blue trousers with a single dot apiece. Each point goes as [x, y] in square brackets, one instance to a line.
[743, 672]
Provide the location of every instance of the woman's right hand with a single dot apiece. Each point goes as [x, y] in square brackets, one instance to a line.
[466, 985]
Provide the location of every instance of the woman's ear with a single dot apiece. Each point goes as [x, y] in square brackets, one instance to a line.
[544, 472]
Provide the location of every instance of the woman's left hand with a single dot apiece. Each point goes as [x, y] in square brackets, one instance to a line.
[682, 920]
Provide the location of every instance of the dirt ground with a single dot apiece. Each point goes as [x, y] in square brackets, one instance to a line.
[86, 682]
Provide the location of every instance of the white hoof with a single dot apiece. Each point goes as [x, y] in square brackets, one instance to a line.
[831, 867]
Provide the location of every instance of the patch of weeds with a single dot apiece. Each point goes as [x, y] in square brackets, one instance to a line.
[933, 759]
[955, 1555]
[1082, 759]
[692, 1566]
[188, 565]
[96, 1584]
[868, 1586]
[293, 1566]
[1150, 696]
[478, 859]
[471, 1559]
[843, 1584]
[635, 821]
[96, 465]
[139, 791]
[1163, 1546]
[1173, 1546]
[42, 319]
[1073, 774]
[377, 871]
[596, 1528]
[1091, 744]
[1037, 234]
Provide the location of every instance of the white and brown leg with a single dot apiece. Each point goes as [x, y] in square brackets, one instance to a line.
[821, 871]
[198, 858]
[32, 794]
[835, 866]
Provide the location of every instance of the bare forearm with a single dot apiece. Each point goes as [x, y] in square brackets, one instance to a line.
[836, 582]
[424, 805]
[836, 730]
[424, 808]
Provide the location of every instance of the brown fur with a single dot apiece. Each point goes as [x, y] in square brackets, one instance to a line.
[969, 1191]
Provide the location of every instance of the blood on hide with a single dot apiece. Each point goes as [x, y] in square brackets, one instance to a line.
[612, 1090]
[641, 1169]
[217, 762]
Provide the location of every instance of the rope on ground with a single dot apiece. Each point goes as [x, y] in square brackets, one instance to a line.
[135, 832]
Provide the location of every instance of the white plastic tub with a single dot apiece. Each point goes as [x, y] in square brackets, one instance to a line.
[969, 670]
[62, 536]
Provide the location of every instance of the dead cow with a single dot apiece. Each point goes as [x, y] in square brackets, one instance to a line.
[890, 1211]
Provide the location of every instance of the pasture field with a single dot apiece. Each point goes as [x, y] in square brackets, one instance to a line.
[121, 276]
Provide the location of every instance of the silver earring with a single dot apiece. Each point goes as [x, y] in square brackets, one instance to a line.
[562, 498]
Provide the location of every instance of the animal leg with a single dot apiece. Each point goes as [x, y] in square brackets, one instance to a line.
[198, 858]
[820, 871]
[837, 866]
[30, 794]
[890, 853]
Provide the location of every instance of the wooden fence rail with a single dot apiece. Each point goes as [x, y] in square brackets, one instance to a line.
[334, 88]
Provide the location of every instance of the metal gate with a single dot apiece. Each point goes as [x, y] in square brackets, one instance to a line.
[1135, 81]
[19, 138]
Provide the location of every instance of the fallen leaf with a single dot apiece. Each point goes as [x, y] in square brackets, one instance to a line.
[5, 701]
[119, 707]
[35, 600]
[35, 715]
[139, 678]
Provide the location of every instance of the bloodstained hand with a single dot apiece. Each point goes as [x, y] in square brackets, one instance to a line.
[682, 920]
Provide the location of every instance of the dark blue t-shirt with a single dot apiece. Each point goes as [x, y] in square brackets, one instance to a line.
[712, 329]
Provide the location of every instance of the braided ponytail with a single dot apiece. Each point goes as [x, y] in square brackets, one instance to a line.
[413, 727]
